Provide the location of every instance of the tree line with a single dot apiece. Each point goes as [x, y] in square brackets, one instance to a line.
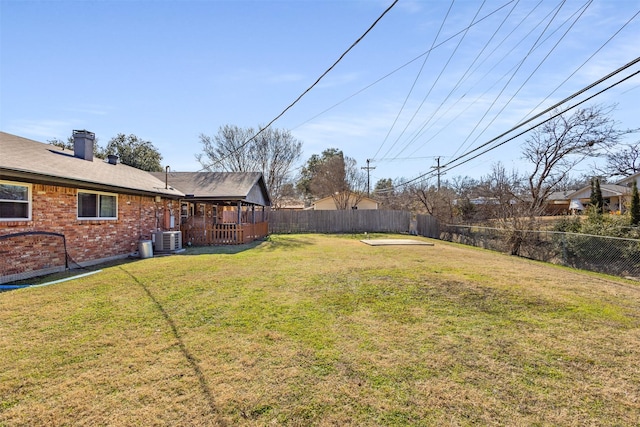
[509, 199]
[130, 149]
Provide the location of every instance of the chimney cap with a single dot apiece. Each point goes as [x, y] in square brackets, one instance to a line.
[84, 133]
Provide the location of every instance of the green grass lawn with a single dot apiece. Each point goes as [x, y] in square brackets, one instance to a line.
[323, 330]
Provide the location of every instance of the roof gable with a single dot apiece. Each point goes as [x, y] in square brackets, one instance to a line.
[25, 159]
[608, 190]
[628, 181]
[247, 187]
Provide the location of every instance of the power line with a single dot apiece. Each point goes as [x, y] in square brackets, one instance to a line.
[586, 61]
[460, 80]
[423, 130]
[437, 78]
[244, 144]
[449, 165]
[541, 123]
[415, 81]
[405, 64]
[520, 64]
[586, 6]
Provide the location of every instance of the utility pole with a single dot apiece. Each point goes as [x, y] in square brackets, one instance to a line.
[437, 168]
[368, 168]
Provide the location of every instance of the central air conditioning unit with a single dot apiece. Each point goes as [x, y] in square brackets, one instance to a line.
[167, 241]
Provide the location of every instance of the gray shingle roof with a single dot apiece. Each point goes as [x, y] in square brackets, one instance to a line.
[22, 158]
[229, 186]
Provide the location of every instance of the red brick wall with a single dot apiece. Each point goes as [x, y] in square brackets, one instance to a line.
[54, 209]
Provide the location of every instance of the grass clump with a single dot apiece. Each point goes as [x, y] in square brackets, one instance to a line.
[323, 330]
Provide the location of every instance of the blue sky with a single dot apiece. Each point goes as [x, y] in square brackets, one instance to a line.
[170, 70]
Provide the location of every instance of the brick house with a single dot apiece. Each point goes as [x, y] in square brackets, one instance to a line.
[59, 206]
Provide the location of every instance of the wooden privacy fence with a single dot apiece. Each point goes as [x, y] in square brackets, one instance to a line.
[427, 226]
[343, 221]
[224, 234]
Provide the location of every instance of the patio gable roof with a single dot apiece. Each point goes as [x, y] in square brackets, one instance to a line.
[247, 187]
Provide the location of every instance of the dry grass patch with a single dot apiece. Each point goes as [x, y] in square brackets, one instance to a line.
[324, 330]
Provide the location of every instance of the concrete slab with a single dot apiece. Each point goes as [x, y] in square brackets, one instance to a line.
[389, 242]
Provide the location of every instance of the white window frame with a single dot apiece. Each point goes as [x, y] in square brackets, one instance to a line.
[29, 200]
[98, 193]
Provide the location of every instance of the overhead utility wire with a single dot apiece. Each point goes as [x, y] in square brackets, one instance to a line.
[461, 80]
[585, 62]
[447, 168]
[565, 100]
[403, 65]
[424, 99]
[520, 64]
[423, 130]
[415, 81]
[314, 83]
[586, 6]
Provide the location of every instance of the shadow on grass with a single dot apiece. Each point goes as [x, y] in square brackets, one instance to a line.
[220, 249]
[206, 391]
[287, 242]
[270, 243]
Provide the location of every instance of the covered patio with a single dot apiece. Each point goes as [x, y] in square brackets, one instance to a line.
[221, 208]
[215, 223]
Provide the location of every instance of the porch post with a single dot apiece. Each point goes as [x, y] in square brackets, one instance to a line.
[239, 212]
[253, 214]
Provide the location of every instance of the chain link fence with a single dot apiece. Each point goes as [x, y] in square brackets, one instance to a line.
[610, 255]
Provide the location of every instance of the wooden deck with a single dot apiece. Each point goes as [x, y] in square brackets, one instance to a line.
[224, 234]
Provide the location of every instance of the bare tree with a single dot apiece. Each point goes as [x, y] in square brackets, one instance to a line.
[559, 145]
[395, 195]
[277, 152]
[339, 177]
[504, 200]
[437, 203]
[230, 150]
[272, 152]
[624, 162]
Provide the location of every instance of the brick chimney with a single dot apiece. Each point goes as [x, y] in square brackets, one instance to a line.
[83, 144]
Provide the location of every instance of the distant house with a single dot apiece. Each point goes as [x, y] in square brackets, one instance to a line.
[558, 203]
[615, 200]
[220, 207]
[354, 202]
[613, 195]
[628, 181]
[290, 204]
[59, 206]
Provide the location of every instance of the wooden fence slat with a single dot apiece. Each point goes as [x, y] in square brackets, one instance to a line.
[343, 221]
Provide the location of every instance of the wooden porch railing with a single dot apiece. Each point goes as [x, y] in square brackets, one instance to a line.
[224, 234]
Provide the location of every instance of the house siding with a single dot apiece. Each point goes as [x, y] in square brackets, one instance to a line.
[54, 210]
[328, 204]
